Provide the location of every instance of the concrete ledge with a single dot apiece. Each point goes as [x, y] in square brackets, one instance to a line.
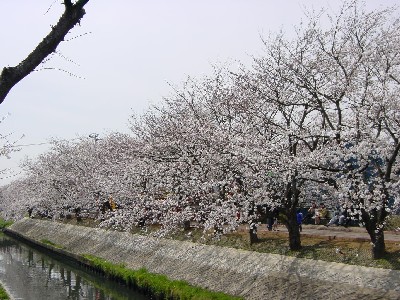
[253, 275]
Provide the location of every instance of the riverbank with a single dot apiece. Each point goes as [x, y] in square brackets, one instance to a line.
[237, 272]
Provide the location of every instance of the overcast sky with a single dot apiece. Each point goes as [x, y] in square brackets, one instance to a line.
[124, 57]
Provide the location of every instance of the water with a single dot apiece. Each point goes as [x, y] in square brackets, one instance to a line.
[30, 274]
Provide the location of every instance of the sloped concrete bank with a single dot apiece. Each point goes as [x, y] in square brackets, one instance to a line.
[249, 274]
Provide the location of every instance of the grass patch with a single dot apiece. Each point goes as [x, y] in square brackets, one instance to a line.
[158, 285]
[47, 242]
[4, 224]
[3, 294]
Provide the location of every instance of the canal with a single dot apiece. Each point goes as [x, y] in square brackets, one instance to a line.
[30, 274]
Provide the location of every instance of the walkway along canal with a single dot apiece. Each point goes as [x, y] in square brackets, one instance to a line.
[33, 275]
[252, 275]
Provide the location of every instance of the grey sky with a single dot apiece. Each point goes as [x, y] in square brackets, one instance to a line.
[133, 50]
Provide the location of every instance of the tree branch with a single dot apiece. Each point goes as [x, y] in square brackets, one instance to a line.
[10, 76]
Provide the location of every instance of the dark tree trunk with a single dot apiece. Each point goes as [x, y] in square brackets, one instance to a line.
[378, 245]
[186, 225]
[293, 229]
[290, 208]
[78, 214]
[373, 221]
[377, 240]
[253, 225]
[253, 234]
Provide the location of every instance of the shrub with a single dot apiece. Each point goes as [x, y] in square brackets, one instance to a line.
[4, 223]
[393, 222]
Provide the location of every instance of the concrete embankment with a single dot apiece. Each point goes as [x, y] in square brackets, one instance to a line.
[244, 273]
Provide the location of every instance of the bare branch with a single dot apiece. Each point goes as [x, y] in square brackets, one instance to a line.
[10, 76]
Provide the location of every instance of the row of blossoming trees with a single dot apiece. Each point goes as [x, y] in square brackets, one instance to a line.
[316, 114]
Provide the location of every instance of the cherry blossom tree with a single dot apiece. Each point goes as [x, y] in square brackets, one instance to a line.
[74, 175]
[352, 78]
[345, 78]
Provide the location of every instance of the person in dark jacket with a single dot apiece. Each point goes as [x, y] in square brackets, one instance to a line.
[299, 217]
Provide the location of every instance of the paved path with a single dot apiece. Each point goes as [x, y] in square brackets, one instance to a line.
[332, 232]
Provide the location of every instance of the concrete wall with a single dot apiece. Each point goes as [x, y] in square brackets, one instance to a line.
[257, 276]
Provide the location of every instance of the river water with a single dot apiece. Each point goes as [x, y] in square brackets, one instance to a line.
[32, 275]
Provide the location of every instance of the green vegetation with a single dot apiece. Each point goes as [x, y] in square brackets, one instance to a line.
[158, 285]
[393, 222]
[47, 242]
[4, 223]
[3, 294]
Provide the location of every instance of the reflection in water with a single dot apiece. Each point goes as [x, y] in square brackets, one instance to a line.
[29, 274]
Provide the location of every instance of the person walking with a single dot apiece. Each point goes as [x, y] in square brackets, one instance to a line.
[299, 217]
